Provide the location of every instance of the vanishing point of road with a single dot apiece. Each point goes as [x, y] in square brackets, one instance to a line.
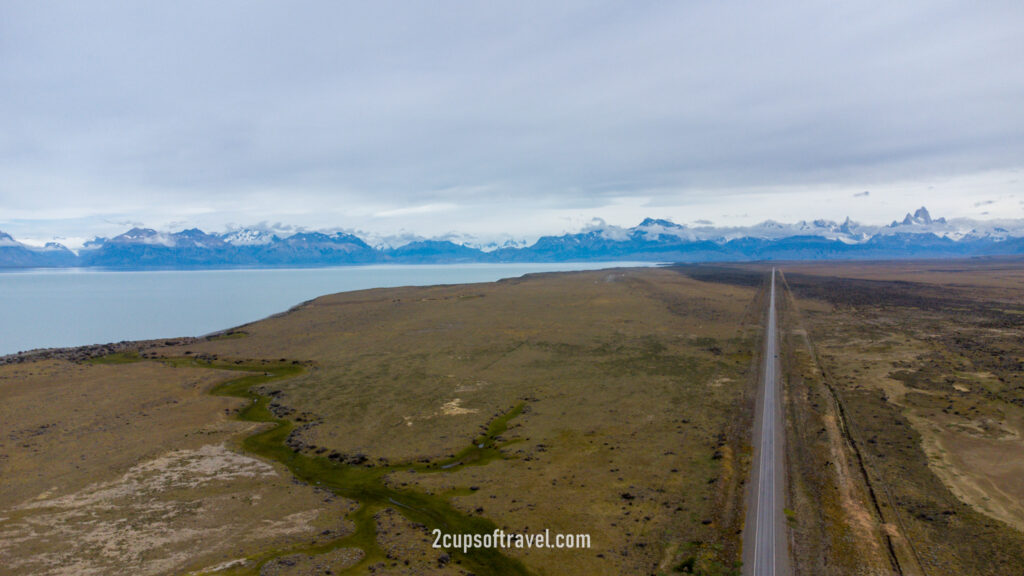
[765, 549]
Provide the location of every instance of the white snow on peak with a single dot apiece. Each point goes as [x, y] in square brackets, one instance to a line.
[499, 243]
[848, 231]
[248, 237]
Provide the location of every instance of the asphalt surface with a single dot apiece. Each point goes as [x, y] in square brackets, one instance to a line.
[764, 538]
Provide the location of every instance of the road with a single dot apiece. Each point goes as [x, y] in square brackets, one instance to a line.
[765, 552]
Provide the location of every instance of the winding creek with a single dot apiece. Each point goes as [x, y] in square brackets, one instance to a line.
[365, 485]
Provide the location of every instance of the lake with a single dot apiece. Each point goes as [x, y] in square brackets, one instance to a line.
[75, 307]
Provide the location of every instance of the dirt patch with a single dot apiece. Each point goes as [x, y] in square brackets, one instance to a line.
[453, 408]
[719, 381]
[159, 515]
[982, 473]
[177, 470]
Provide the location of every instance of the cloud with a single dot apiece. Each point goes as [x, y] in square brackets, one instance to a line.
[126, 223]
[411, 210]
[446, 116]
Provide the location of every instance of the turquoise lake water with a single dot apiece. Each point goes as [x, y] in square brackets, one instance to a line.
[75, 307]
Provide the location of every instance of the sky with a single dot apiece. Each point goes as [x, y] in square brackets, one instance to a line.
[493, 120]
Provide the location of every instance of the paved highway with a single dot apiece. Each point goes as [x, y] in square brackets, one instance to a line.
[764, 539]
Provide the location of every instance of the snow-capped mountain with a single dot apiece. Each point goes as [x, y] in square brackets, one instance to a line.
[192, 238]
[917, 235]
[249, 237]
[921, 217]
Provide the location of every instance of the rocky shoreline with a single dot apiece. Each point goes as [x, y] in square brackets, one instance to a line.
[80, 354]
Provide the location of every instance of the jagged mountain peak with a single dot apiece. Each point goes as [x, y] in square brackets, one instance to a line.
[647, 222]
[138, 233]
[923, 215]
[920, 217]
[193, 233]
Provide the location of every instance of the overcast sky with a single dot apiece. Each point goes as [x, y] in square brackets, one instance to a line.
[517, 118]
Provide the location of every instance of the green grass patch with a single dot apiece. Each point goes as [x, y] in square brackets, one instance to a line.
[790, 515]
[117, 358]
[230, 335]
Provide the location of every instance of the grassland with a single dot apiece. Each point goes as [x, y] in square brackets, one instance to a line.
[905, 395]
[333, 438]
[612, 403]
[129, 468]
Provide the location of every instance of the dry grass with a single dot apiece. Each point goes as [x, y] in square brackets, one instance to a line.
[927, 362]
[123, 469]
[632, 381]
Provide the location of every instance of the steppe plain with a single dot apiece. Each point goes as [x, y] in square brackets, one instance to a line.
[332, 438]
[922, 366]
[609, 403]
[905, 414]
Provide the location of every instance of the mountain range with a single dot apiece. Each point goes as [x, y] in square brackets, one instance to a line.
[917, 235]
